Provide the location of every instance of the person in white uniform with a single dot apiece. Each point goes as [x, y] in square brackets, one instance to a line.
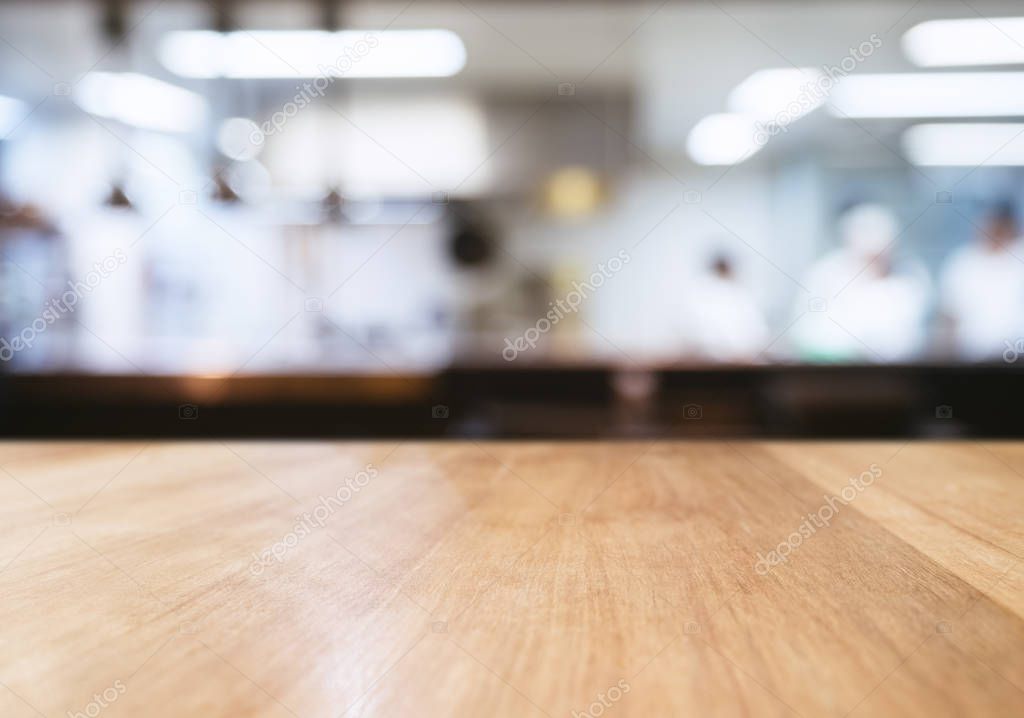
[721, 319]
[862, 304]
[982, 288]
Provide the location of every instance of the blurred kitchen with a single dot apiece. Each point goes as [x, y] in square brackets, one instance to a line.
[498, 218]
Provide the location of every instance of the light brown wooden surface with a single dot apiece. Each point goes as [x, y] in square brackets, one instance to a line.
[510, 579]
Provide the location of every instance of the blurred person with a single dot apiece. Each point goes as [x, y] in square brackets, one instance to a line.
[862, 303]
[982, 288]
[721, 319]
[31, 275]
[105, 283]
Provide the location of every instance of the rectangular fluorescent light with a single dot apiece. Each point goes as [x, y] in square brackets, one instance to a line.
[455, 154]
[140, 101]
[972, 41]
[293, 54]
[723, 139]
[939, 94]
[965, 144]
[779, 95]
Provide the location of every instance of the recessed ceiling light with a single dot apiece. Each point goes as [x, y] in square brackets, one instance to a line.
[970, 41]
[140, 100]
[723, 139]
[965, 144]
[780, 94]
[313, 53]
[938, 94]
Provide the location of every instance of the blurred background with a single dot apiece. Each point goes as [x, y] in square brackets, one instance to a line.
[496, 218]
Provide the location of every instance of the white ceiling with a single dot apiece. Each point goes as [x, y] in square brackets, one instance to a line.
[681, 59]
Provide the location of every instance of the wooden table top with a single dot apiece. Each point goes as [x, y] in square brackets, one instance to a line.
[511, 579]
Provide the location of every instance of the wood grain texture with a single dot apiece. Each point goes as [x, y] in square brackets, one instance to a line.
[511, 579]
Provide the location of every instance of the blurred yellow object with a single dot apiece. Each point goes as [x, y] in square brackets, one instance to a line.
[573, 192]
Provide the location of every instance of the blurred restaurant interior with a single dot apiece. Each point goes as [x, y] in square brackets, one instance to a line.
[499, 218]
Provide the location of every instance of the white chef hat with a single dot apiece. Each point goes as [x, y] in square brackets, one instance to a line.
[868, 228]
